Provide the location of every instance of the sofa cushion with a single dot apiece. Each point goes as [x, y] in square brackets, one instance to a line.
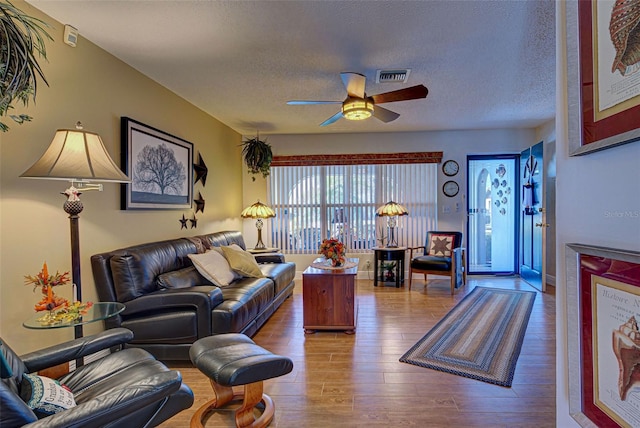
[135, 269]
[280, 273]
[182, 278]
[243, 301]
[215, 267]
[432, 263]
[242, 262]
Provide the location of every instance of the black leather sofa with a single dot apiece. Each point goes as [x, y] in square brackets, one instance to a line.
[127, 388]
[166, 321]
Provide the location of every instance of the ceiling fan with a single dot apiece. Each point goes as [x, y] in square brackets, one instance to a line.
[358, 105]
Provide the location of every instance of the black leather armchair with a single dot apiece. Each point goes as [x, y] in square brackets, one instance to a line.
[127, 388]
[443, 254]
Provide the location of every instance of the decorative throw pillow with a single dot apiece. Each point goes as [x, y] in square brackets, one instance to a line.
[242, 262]
[214, 267]
[45, 396]
[441, 245]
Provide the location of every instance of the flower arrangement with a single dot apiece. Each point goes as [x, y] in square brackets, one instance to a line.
[46, 282]
[58, 308]
[68, 313]
[333, 250]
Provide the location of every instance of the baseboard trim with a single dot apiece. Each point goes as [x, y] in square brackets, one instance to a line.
[551, 280]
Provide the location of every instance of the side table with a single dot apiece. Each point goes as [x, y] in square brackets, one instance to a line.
[395, 255]
[329, 298]
[98, 312]
[263, 250]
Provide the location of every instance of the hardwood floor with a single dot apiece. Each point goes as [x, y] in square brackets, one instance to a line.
[342, 380]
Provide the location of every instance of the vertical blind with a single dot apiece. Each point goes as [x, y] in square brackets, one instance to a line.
[317, 202]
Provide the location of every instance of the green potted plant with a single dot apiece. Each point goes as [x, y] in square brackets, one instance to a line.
[21, 36]
[258, 156]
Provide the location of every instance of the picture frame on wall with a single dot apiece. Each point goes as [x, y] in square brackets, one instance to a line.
[603, 307]
[603, 86]
[160, 167]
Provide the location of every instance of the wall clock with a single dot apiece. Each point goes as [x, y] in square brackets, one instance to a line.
[450, 168]
[450, 188]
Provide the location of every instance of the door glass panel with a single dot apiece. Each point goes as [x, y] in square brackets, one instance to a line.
[492, 200]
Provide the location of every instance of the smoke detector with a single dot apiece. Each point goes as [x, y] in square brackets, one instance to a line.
[393, 76]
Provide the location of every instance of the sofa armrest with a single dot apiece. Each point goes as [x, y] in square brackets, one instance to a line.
[74, 349]
[201, 297]
[269, 258]
[120, 402]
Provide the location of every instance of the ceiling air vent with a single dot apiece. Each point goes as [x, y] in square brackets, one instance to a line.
[392, 76]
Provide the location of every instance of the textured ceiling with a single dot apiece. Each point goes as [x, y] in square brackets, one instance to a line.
[487, 64]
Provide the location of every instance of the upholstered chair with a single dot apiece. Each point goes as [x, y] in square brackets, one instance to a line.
[442, 254]
[127, 388]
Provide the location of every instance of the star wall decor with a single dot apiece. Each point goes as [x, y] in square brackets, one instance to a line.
[194, 221]
[183, 222]
[199, 203]
[200, 170]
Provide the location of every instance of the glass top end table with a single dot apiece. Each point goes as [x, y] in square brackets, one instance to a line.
[99, 311]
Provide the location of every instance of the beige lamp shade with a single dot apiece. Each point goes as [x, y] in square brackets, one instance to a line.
[391, 209]
[75, 154]
[257, 210]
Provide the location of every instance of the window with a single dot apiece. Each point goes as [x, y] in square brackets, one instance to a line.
[316, 202]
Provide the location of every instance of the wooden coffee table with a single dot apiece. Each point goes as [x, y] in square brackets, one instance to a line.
[329, 298]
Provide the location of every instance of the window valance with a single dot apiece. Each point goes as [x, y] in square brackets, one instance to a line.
[358, 159]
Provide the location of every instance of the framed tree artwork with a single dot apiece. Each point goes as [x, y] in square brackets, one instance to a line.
[160, 167]
[603, 74]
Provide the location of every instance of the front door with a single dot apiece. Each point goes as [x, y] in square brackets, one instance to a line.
[492, 209]
[532, 217]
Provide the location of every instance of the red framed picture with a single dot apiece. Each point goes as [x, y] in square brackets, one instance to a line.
[603, 75]
[604, 289]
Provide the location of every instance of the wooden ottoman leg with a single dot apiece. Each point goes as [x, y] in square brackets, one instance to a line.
[221, 396]
[253, 395]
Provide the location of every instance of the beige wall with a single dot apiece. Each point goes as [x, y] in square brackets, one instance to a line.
[92, 86]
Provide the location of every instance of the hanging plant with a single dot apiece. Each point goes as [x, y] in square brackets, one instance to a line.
[21, 36]
[258, 156]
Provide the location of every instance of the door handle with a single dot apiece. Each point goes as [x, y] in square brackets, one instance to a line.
[542, 225]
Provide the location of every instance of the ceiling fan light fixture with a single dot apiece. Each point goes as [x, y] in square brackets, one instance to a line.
[357, 109]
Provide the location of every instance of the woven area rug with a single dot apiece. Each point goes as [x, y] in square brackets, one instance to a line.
[480, 338]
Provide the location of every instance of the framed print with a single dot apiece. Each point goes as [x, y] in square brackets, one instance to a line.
[603, 306]
[603, 74]
[159, 165]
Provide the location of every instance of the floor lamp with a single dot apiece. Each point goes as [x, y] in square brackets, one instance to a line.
[259, 211]
[79, 157]
[392, 210]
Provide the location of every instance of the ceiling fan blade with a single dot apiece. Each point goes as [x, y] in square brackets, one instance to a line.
[332, 119]
[303, 103]
[384, 114]
[412, 93]
[354, 83]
